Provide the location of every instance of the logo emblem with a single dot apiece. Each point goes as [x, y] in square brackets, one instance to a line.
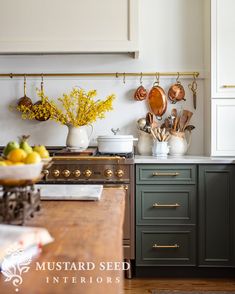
[14, 265]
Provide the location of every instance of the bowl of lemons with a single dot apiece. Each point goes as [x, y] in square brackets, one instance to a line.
[21, 164]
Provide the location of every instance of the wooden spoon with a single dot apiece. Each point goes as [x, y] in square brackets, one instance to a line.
[182, 122]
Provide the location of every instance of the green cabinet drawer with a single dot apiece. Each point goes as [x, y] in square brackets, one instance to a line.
[161, 246]
[165, 174]
[165, 204]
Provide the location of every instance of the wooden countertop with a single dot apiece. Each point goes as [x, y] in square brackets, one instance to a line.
[84, 231]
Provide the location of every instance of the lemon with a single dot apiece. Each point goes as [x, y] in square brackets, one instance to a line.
[17, 155]
[32, 157]
[2, 163]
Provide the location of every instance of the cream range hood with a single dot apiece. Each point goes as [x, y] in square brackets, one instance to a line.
[104, 26]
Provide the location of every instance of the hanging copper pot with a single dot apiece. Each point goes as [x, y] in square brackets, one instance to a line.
[25, 101]
[141, 93]
[157, 100]
[46, 115]
[176, 92]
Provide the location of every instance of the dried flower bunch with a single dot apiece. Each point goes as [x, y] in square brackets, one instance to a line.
[78, 108]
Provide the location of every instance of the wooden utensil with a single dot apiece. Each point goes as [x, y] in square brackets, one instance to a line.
[189, 115]
[182, 121]
[176, 123]
[173, 116]
[189, 128]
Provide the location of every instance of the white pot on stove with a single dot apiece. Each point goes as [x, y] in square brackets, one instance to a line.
[116, 143]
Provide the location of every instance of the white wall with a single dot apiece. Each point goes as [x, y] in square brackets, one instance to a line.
[171, 39]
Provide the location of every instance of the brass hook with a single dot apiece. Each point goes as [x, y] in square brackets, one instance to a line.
[116, 74]
[157, 78]
[141, 78]
[124, 78]
[42, 87]
[178, 76]
[25, 85]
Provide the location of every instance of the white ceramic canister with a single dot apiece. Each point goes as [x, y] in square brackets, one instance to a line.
[145, 143]
[160, 149]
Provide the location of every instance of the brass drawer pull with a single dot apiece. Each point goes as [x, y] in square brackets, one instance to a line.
[228, 86]
[166, 246]
[165, 205]
[156, 174]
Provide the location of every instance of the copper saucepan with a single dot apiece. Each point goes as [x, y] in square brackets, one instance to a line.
[157, 100]
[140, 93]
[25, 101]
[46, 115]
[176, 92]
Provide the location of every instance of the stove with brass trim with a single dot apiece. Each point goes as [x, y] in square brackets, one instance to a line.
[108, 170]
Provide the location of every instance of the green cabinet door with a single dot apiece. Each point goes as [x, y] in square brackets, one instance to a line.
[216, 218]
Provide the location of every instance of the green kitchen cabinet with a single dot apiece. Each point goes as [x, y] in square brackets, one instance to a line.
[216, 215]
[166, 215]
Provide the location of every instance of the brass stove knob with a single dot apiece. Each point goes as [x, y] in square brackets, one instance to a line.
[108, 173]
[119, 173]
[56, 173]
[87, 173]
[45, 172]
[66, 173]
[77, 173]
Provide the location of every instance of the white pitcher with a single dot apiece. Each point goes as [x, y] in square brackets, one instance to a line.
[178, 143]
[77, 138]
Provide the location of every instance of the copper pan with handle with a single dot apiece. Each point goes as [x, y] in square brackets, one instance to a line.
[157, 99]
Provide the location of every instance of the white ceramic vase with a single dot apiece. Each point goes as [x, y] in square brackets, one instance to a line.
[178, 143]
[78, 138]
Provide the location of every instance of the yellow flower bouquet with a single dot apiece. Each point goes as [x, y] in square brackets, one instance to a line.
[78, 109]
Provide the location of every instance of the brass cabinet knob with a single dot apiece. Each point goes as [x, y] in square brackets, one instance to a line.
[108, 173]
[119, 173]
[45, 172]
[77, 173]
[66, 173]
[87, 173]
[56, 173]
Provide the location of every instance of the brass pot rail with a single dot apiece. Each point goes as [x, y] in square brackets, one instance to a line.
[116, 74]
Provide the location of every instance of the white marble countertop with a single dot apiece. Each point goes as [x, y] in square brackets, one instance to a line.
[185, 159]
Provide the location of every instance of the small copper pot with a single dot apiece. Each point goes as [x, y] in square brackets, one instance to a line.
[141, 93]
[176, 92]
[38, 118]
[25, 101]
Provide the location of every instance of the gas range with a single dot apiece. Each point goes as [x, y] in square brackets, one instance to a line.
[95, 167]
